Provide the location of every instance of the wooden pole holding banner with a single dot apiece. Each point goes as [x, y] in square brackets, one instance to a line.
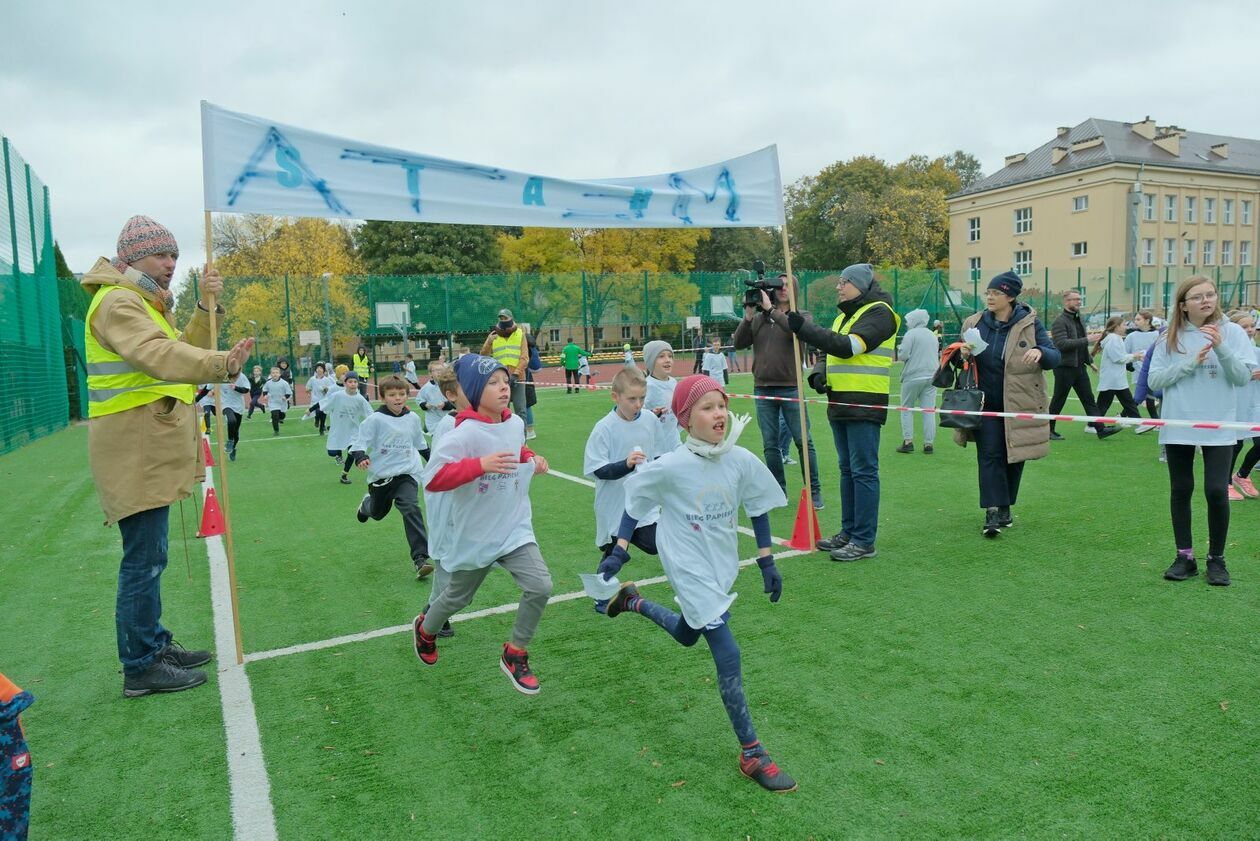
[213, 305]
[796, 350]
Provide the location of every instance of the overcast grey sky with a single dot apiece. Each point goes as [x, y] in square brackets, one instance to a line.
[103, 99]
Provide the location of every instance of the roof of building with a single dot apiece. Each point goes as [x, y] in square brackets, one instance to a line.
[1096, 142]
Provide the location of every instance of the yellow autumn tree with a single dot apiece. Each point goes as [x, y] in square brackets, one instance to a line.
[908, 228]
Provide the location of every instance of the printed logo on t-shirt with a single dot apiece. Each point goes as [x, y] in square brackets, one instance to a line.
[22, 760]
[713, 505]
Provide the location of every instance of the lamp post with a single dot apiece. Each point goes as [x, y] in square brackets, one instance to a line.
[327, 317]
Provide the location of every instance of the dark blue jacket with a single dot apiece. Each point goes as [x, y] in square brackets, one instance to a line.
[991, 365]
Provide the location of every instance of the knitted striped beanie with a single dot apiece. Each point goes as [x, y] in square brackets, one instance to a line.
[141, 237]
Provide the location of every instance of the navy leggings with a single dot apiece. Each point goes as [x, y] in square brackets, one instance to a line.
[725, 653]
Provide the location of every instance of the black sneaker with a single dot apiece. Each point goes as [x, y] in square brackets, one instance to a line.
[345, 480]
[928, 450]
[1054, 436]
[446, 631]
[853, 552]
[762, 769]
[177, 655]
[1182, 568]
[515, 664]
[1217, 575]
[162, 676]
[831, 544]
[620, 602]
[359, 512]
[906, 447]
[992, 525]
[1108, 431]
[1005, 520]
[231, 450]
[423, 569]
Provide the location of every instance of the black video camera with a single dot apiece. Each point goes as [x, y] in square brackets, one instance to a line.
[752, 296]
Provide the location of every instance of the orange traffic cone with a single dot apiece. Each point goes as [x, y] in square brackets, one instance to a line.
[805, 534]
[211, 517]
[205, 445]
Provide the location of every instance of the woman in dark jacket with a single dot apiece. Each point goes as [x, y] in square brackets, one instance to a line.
[1009, 372]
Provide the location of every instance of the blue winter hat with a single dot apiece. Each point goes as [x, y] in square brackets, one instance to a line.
[1008, 283]
[473, 372]
[861, 275]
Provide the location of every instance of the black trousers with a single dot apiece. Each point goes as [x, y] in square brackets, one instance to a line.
[571, 376]
[233, 421]
[1249, 461]
[277, 418]
[1073, 379]
[1216, 464]
[403, 493]
[999, 480]
[644, 537]
[1128, 406]
[321, 421]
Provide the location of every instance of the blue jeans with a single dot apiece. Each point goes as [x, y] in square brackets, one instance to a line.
[772, 413]
[138, 609]
[785, 437]
[857, 444]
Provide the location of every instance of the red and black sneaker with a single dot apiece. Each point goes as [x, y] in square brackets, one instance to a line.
[426, 646]
[761, 768]
[620, 603]
[515, 664]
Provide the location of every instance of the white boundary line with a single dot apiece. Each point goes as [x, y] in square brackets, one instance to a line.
[249, 787]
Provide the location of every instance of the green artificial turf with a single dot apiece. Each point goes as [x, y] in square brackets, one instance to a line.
[1047, 683]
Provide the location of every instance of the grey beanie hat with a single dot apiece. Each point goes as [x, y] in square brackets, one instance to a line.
[861, 275]
[652, 350]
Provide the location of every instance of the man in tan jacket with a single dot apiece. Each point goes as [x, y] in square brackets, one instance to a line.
[143, 438]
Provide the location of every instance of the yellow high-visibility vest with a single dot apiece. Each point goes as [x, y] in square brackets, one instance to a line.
[507, 352]
[362, 367]
[113, 384]
[866, 372]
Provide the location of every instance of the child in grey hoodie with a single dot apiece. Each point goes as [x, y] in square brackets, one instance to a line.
[920, 351]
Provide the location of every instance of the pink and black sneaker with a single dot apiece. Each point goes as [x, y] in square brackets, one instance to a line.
[756, 764]
[515, 664]
[426, 646]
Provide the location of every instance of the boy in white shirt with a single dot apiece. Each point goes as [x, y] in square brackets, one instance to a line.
[346, 409]
[430, 399]
[658, 358]
[320, 385]
[438, 504]
[699, 488]
[278, 394]
[484, 465]
[622, 440]
[388, 445]
[714, 362]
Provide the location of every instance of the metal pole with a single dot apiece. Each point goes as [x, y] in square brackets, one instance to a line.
[17, 275]
[288, 317]
[450, 329]
[643, 333]
[328, 316]
[586, 336]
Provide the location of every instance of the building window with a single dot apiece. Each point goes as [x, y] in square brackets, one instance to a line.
[1023, 262]
[1227, 252]
[1209, 211]
[625, 332]
[1170, 208]
[1080, 249]
[1244, 253]
[973, 266]
[973, 229]
[1227, 212]
[1170, 251]
[1146, 295]
[1190, 208]
[1209, 252]
[1023, 220]
[1246, 211]
[1148, 207]
[1188, 253]
[554, 334]
[1148, 252]
[1080, 203]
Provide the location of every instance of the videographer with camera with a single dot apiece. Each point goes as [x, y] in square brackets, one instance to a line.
[774, 373]
[859, 350]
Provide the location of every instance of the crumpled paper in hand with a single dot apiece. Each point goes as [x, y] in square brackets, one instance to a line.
[598, 587]
[972, 337]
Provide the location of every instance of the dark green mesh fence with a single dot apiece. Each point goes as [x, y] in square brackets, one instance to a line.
[32, 359]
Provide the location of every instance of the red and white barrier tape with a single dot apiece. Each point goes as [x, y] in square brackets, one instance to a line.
[1234, 426]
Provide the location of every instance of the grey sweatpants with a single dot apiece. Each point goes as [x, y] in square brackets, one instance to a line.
[528, 570]
[920, 393]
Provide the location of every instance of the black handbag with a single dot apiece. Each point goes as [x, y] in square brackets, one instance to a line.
[964, 396]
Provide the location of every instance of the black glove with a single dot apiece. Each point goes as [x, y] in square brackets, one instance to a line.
[795, 320]
[613, 561]
[770, 577]
[818, 382]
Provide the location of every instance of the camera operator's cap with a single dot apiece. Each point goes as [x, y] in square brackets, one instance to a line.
[1008, 283]
[861, 275]
[505, 315]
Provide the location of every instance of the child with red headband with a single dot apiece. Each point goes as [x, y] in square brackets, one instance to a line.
[699, 488]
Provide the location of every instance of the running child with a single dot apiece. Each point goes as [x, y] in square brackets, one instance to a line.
[431, 400]
[278, 393]
[622, 440]
[387, 445]
[584, 368]
[1241, 486]
[438, 504]
[1200, 364]
[1113, 371]
[628, 355]
[320, 385]
[256, 380]
[486, 468]
[699, 488]
[232, 397]
[714, 362]
[1138, 341]
[658, 358]
[346, 409]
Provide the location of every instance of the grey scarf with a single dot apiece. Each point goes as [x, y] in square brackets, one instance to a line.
[146, 283]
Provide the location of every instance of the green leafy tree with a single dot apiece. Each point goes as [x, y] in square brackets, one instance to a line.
[412, 248]
[966, 166]
[730, 249]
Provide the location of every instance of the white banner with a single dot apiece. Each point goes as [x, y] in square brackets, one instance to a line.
[252, 165]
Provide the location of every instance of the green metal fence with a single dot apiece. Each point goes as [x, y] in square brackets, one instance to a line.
[33, 373]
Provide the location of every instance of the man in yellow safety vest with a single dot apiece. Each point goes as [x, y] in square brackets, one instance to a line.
[144, 443]
[507, 344]
[854, 374]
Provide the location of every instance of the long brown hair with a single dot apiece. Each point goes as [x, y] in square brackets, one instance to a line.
[1108, 328]
[1177, 317]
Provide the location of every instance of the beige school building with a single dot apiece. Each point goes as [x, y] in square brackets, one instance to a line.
[1124, 209]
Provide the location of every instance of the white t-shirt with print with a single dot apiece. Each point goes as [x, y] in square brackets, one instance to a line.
[613, 439]
[345, 413]
[660, 393]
